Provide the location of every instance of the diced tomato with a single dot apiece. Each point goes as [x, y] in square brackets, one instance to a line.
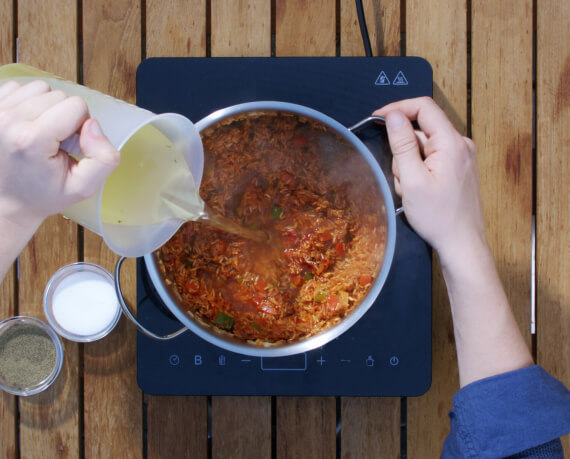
[219, 247]
[332, 302]
[287, 179]
[300, 140]
[339, 248]
[191, 286]
[260, 284]
[364, 280]
[297, 280]
[325, 236]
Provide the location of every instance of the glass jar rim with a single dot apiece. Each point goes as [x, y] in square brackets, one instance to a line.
[56, 279]
[16, 321]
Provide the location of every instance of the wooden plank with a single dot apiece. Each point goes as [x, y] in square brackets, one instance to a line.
[306, 427]
[47, 34]
[553, 170]
[502, 129]
[249, 429]
[370, 425]
[176, 28]
[382, 22]
[8, 407]
[241, 427]
[305, 28]
[177, 427]
[437, 31]
[241, 28]
[6, 31]
[182, 418]
[112, 401]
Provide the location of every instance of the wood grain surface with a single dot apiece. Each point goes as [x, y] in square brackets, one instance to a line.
[241, 28]
[483, 65]
[8, 306]
[305, 28]
[383, 25]
[502, 126]
[175, 28]
[553, 191]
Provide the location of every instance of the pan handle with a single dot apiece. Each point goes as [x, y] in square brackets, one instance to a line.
[365, 122]
[130, 315]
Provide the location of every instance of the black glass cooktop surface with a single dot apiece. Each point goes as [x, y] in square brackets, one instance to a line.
[388, 352]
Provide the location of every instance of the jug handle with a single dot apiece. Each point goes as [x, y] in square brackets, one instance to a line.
[360, 125]
[130, 315]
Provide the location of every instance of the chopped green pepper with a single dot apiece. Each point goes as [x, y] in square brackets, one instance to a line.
[224, 321]
[308, 276]
[255, 325]
[276, 212]
[320, 296]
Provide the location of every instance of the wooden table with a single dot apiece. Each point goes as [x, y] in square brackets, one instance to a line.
[501, 72]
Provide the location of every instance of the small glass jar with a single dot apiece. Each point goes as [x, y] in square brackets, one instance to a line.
[31, 355]
[80, 302]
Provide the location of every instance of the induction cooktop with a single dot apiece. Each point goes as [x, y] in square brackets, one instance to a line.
[388, 352]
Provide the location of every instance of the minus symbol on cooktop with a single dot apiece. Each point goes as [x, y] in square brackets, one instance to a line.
[345, 361]
[246, 360]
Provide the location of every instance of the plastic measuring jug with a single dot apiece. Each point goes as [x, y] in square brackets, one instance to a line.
[154, 189]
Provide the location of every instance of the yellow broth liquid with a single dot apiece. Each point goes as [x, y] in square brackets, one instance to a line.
[152, 184]
[151, 174]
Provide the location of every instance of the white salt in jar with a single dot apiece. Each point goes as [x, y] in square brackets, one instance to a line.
[80, 302]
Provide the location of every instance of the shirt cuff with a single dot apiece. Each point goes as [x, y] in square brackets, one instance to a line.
[508, 413]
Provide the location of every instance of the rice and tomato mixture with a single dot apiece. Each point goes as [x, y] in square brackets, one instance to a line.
[322, 210]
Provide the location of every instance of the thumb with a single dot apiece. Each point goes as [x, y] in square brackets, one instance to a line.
[100, 158]
[405, 148]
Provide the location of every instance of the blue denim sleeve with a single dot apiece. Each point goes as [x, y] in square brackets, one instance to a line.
[507, 414]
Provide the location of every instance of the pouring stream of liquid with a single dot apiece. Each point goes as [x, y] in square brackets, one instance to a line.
[208, 216]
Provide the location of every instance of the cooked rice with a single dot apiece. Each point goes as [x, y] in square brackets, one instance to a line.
[316, 198]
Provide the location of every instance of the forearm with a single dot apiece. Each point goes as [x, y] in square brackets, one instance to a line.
[13, 238]
[488, 339]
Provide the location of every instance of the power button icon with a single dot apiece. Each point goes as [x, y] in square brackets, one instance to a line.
[394, 361]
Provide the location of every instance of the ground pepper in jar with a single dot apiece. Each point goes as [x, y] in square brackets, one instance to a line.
[27, 356]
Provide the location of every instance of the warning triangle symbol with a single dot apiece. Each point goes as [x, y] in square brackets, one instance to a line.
[382, 80]
[400, 79]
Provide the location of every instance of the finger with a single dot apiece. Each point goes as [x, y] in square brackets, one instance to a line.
[422, 139]
[33, 107]
[405, 148]
[397, 186]
[8, 88]
[62, 119]
[430, 117]
[395, 170]
[100, 159]
[22, 93]
[470, 145]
